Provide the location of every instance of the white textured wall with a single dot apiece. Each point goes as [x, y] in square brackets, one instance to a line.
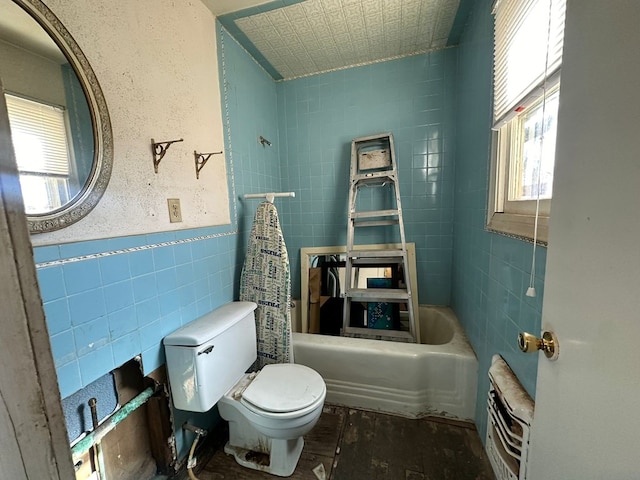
[156, 61]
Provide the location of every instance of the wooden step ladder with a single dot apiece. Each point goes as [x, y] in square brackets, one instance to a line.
[373, 164]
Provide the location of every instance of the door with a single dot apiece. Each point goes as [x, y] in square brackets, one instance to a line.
[587, 418]
[33, 439]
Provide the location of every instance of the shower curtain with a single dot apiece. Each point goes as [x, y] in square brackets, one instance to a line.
[266, 281]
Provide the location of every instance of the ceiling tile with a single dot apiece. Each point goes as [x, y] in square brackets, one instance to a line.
[319, 35]
[312, 9]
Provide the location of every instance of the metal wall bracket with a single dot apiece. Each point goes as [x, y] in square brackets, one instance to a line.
[159, 149]
[264, 141]
[201, 160]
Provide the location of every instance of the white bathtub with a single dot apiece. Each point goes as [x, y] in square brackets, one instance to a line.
[435, 378]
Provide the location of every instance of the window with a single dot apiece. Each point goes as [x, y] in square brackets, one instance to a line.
[39, 134]
[528, 40]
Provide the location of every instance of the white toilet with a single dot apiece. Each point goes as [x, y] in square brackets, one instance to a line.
[268, 411]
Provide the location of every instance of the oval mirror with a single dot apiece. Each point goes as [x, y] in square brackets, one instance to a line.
[59, 122]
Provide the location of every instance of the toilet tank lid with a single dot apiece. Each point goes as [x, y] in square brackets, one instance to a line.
[210, 325]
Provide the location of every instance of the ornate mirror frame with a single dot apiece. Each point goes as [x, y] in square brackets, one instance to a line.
[96, 185]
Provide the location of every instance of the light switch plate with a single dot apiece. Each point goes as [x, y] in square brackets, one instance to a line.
[175, 213]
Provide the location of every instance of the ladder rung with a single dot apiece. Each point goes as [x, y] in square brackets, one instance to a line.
[391, 295]
[384, 174]
[379, 332]
[376, 223]
[375, 213]
[375, 253]
[374, 181]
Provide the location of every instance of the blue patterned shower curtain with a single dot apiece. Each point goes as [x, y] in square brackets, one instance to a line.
[266, 281]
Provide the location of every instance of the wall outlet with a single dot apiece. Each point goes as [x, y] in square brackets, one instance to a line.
[175, 213]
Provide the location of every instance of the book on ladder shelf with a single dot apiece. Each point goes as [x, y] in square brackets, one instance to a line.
[377, 214]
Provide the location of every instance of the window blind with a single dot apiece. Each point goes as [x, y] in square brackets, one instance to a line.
[522, 28]
[39, 136]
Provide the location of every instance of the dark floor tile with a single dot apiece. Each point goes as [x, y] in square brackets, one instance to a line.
[360, 445]
[225, 467]
[377, 446]
[399, 442]
[323, 439]
[454, 453]
[355, 459]
[414, 475]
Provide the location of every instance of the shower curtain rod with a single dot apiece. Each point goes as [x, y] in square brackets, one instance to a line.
[269, 196]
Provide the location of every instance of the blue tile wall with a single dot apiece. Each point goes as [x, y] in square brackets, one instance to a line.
[103, 311]
[411, 97]
[250, 96]
[490, 272]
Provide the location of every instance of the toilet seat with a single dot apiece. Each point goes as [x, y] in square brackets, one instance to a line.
[284, 390]
[282, 415]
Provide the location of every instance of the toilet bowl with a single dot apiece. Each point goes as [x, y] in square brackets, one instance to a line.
[268, 411]
[268, 414]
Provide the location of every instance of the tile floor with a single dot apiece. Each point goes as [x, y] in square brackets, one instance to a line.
[350, 444]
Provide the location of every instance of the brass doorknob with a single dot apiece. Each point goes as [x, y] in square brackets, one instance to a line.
[529, 343]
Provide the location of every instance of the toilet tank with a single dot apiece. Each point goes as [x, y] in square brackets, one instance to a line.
[209, 355]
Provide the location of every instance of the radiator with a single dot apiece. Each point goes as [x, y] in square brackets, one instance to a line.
[510, 413]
